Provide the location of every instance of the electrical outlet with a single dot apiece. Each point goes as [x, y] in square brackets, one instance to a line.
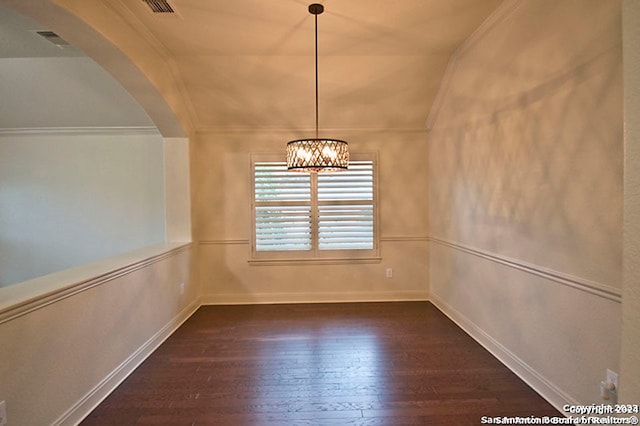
[609, 388]
[389, 273]
[181, 288]
[3, 413]
[612, 377]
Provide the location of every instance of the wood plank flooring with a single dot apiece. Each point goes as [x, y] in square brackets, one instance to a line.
[400, 363]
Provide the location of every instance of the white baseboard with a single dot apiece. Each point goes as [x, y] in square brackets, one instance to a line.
[95, 396]
[330, 297]
[540, 384]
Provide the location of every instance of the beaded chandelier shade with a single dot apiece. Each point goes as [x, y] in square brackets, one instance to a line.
[317, 154]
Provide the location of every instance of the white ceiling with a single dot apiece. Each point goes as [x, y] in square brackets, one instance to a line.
[249, 64]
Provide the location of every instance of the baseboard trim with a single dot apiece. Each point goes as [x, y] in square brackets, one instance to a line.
[530, 376]
[65, 131]
[329, 297]
[95, 396]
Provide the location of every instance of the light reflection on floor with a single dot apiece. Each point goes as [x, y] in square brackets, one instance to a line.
[325, 368]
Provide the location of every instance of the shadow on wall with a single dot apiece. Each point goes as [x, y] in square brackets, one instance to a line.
[526, 192]
[540, 177]
[71, 199]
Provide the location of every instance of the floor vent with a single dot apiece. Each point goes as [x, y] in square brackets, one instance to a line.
[159, 6]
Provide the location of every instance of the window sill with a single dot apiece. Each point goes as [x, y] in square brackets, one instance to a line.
[315, 261]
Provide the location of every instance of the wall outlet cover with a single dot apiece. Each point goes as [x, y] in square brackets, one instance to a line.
[612, 377]
[3, 413]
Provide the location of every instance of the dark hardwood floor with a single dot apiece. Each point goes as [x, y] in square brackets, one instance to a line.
[319, 364]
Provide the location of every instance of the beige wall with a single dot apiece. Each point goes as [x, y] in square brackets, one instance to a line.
[222, 223]
[526, 192]
[112, 40]
[177, 187]
[65, 355]
[72, 336]
[69, 338]
[630, 352]
[73, 197]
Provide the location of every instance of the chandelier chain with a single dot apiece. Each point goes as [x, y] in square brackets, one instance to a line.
[316, 19]
[317, 155]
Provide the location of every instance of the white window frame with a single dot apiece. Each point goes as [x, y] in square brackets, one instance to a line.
[315, 255]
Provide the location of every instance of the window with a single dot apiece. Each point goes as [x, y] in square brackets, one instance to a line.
[308, 216]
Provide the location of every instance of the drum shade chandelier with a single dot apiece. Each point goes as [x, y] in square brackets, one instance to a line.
[317, 154]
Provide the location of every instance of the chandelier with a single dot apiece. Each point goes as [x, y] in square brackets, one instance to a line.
[317, 154]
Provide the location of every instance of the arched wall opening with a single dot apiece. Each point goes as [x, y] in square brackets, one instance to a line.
[90, 169]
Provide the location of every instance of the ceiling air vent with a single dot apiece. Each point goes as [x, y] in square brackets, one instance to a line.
[53, 38]
[159, 6]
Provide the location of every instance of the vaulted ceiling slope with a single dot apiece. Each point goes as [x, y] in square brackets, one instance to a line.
[249, 64]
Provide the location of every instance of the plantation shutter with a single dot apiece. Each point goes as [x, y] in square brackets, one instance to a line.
[302, 216]
[282, 208]
[345, 208]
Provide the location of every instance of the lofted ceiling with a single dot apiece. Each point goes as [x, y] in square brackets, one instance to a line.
[249, 64]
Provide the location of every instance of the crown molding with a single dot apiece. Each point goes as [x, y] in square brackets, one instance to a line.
[115, 130]
[307, 131]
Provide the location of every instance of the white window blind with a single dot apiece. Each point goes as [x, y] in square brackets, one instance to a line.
[345, 208]
[282, 208]
[313, 213]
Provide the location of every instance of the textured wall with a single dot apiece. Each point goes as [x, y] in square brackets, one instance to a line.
[526, 191]
[67, 199]
[65, 356]
[630, 357]
[222, 223]
[63, 92]
[177, 189]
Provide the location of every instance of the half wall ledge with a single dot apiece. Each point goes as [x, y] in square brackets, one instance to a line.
[20, 299]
